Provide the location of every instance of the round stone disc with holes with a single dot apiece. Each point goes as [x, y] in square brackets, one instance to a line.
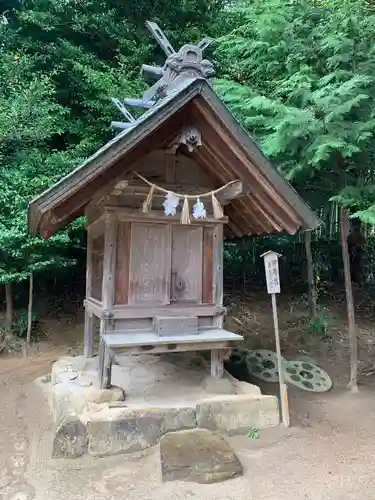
[263, 364]
[307, 376]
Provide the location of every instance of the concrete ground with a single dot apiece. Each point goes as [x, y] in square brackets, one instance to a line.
[328, 453]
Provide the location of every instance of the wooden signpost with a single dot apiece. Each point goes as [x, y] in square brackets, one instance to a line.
[271, 266]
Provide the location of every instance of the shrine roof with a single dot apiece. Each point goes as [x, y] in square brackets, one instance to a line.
[227, 153]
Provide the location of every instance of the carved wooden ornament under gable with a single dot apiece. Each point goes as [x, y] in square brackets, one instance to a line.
[190, 136]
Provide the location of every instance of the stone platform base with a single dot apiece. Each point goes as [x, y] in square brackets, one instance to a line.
[108, 422]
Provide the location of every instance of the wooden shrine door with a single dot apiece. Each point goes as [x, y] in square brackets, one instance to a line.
[150, 256]
[165, 264]
[187, 263]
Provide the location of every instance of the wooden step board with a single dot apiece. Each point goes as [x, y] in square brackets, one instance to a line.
[213, 338]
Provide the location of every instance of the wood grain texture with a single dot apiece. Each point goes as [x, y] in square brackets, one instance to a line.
[149, 279]
[175, 347]
[218, 265]
[170, 166]
[123, 261]
[133, 324]
[109, 261]
[218, 320]
[79, 189]
[96, 225]
[208, 265]
[217, 366]
[187, 262]
[88, 350]
[106, 381]
[237, 162]
[97, 267]
[89, 265]
[139, 311]
[157, 216]
[121, 339]
[102, 349]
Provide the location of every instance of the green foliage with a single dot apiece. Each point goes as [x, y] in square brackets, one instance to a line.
[300, 77]
[253, 433]
[19, 327]
[60, 64]
[321, 323]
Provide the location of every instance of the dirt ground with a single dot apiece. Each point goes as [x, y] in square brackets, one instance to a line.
[326, 454]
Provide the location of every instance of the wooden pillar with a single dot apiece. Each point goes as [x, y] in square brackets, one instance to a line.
[217, 361]
[218, 355]
[105, 358]
[101, 357]
[108, 292]
[217, 367]
[107, 371]
[218, 261]
[88, 348]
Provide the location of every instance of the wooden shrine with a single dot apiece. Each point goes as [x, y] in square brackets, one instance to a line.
[159, 199]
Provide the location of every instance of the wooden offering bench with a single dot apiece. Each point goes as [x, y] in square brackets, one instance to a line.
[159, 199]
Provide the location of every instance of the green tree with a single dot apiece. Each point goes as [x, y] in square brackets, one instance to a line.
[29, 119]
[301, 78]
[60, 64]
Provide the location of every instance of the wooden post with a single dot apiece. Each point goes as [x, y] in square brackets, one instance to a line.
[310, 275]
[105, 358]
[88, 351]
[218, 285]
[218, 263]
[108, 294]
[109, 262]
[107, 372]
[283, 388]
[353, 382]
[88, 346]
[101, 357]
[271, 266]
[217, 367]
[88, 264]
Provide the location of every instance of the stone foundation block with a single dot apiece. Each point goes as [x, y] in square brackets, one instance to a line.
[70, 439]
[238, 414]
[112, 430]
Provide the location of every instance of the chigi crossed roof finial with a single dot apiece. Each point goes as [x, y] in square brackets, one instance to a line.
[179, 66]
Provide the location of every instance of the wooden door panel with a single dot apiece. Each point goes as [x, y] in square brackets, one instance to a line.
[187, 263]
[149, 277]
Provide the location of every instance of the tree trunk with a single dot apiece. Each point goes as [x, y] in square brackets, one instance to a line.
[9, 308]
[30, 310]
[310, 275]
[353, 382]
